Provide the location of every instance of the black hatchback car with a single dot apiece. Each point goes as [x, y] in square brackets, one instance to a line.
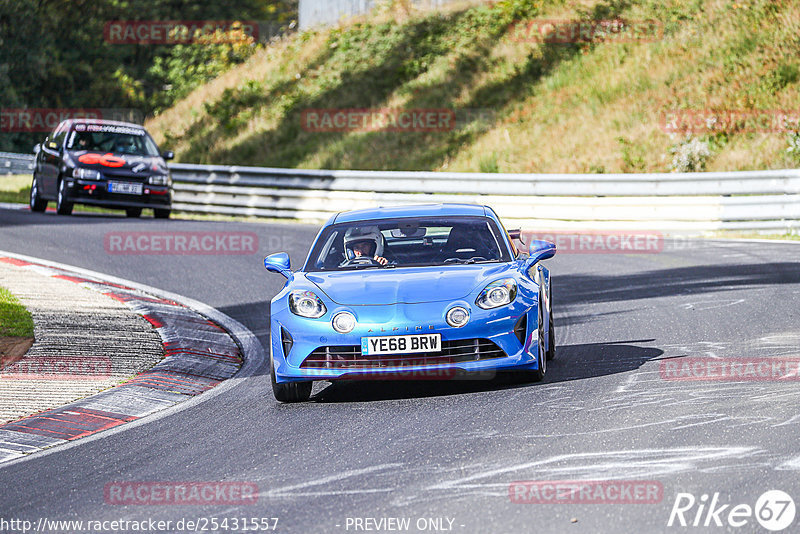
[104, 163]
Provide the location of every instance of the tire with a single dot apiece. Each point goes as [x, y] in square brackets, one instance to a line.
[541, 355]
[289, 391]
[133, 212]
[161, 213]
[551, 336]
[63, 207]
[37, 203]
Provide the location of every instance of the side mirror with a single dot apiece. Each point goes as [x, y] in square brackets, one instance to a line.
[52, 145]
[168, 155]
[279, 263]
[540, 250]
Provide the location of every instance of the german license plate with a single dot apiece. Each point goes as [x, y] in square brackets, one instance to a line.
[408, 344]
[128, 188]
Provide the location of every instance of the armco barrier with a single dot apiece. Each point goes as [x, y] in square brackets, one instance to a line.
[680, 202]
[11, 163]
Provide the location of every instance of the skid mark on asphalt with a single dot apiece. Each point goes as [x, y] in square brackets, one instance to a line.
[301, 490]
[613, 465]
[710, 304]
[792, 464]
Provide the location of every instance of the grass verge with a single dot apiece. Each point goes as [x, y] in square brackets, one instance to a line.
[15, 320]
[15, 188]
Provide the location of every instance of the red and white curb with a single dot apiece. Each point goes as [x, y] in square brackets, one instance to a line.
[203, 349]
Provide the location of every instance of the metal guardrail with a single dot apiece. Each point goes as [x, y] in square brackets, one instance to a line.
[11, 163]
[680, 202]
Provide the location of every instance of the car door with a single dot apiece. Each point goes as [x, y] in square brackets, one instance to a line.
[50, 154]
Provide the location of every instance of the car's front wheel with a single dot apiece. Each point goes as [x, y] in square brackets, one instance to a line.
[551, 335]
[541, 355]
[37, 203]
[63, 207]
[289, 391]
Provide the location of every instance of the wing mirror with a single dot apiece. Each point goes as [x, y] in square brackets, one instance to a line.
[168, 155]
[279, 263]
[540, 250]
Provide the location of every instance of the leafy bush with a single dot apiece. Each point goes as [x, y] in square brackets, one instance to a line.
[690, 155]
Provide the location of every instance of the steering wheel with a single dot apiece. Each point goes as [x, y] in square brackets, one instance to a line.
[473, 259]
[362, 260]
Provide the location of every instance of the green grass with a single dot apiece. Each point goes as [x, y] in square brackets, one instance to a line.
[15, 188]
[546, 107]
[15, 320]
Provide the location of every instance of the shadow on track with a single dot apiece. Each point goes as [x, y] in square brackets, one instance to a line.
[9, 217]
[574, 362]
[672, 282]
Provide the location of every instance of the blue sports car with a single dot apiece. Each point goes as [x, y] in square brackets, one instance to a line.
[410, 292]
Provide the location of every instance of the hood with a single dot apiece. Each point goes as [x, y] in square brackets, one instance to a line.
[119, 163]
[408, 285]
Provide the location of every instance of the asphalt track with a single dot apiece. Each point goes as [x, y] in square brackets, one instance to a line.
[450, 450]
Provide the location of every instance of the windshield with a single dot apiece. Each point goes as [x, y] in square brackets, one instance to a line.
[115, 139]
[408, 242]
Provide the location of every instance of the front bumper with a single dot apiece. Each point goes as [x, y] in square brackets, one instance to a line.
[497, 331]
[95, 192]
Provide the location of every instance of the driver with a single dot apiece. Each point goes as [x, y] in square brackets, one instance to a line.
[364, 242]
[125, 145]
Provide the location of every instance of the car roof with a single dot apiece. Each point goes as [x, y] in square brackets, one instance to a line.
[414, 210]
[107, 122]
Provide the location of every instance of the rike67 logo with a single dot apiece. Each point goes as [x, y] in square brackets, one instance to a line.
[774, 510]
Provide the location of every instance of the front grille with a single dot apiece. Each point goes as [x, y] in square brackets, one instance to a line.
[350, 357]
[128, 176]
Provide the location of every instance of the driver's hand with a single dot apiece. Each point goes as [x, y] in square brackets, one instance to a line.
[381, 260]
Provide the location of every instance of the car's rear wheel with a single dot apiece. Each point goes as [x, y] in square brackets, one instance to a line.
[37, 203]
[289, 391]
[133, 212]
[161, 213]
[63, 207]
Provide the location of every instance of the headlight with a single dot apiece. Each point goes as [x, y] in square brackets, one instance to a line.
[344, 322]
[306, 304]
[159, 179]
[458, 316]
[497, 294]
[86, 174]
